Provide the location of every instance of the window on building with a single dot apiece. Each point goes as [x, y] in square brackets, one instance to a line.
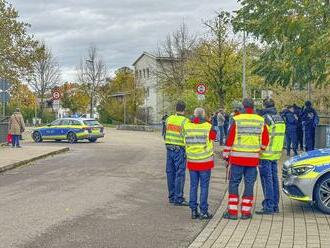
[140, 72]
[148, 73]
[147, 92]
[144, 73]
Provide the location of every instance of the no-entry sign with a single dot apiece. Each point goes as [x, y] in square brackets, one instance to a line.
[201, 89]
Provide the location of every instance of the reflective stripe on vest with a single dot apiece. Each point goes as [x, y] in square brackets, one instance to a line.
[174, 130]
[198, 146]
[277, 134]
[247, 143]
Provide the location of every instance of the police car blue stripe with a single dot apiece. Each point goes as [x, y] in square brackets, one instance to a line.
[311, 154]
[322, 168]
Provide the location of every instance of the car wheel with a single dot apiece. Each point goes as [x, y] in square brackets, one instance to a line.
[37, 137]
[72, 137]
[322, 194]
[92, 140]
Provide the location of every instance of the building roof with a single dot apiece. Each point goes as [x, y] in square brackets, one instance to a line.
[151, 56]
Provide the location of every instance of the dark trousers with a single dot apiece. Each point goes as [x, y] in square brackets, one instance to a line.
[237, 172]
[15, 140]
[221, 134]
[175, 170]
[300, 135]
[309, 133]
[291, 138]
[202, 178]
[270, 184]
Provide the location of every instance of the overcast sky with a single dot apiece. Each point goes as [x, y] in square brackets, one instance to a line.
[121, 29]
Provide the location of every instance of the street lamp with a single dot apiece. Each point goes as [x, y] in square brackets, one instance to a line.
[91, 87]
[123, 95]
[244, 67]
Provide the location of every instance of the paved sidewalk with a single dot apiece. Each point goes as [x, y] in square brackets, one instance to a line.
[298, 225]
[14, 157]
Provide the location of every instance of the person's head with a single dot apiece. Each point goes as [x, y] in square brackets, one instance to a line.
[308, 104]
[17, 110]
[221, 111]
[180, 107]
[269, 103]
[248, 103]
[199, 113]
[291, 108]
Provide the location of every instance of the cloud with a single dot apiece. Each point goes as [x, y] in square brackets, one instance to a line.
[120, 29]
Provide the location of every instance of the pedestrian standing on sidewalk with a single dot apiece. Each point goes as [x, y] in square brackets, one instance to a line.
[176, 155]
[214, 119]
[199, 137]
[221, 126]
[291, 121]
[248, 136]
[268, 168]
[16, 127]
[310, 120]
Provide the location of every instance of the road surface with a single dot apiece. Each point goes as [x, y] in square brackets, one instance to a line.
[108, 194]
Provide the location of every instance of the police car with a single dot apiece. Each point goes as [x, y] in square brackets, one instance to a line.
[307, 178]
[70, 129]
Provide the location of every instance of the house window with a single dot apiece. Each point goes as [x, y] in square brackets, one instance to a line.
[148, 73]
[140, 73]
[144, 73]
[147, 92]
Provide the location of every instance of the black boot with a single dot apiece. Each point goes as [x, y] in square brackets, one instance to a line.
[206, 216]
[229, 216]
[194, 214]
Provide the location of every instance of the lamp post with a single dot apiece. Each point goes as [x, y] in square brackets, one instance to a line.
[244, 67]
[91, 85]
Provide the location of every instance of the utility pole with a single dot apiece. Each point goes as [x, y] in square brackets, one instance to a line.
[244, 67]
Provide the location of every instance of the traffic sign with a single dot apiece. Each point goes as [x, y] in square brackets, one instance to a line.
[4, 96]
[201, 89]
[56, 95]
[200, 97]
[4, 84]
[56, 104]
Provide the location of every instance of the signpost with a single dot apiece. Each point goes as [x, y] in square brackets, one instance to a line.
[201, 90]
[56, 95]
[4, 94]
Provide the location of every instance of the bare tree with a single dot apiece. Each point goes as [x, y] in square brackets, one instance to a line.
[215, 56]
[92, 72]
[45, 74]
[172, 57]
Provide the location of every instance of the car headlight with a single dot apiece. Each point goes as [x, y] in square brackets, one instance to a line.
[302, 170]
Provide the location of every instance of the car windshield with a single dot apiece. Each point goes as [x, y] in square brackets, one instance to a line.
[91, 123]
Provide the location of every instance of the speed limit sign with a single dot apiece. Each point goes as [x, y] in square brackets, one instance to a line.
[201, 89]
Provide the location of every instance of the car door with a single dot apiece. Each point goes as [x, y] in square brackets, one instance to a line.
[64, 128]
[50, 131]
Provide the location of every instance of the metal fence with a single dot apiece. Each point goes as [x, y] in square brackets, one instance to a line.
[3, 129]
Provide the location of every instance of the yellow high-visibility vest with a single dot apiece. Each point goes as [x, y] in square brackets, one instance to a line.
[174, 130]
[249, 129]
[277, 133]
[199, 148]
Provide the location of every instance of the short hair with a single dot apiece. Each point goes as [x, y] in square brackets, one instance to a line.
[268, 103]
[180, 106]
[248, 103]
[308, 104]
[17, 110]
[199, 112]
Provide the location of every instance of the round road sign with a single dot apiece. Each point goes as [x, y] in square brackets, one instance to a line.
[56, 95]
[201, 89]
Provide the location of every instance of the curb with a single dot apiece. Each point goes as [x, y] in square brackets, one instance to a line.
[27, 161]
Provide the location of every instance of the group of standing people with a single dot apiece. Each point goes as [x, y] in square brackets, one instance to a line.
[300, 127]
[220, 123]
[254, 141]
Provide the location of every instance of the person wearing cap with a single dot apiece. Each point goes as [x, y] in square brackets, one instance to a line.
[310, 120]
[248, 136]
[16, 127]
[268, 168]
[176, 155]
[199, 136]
